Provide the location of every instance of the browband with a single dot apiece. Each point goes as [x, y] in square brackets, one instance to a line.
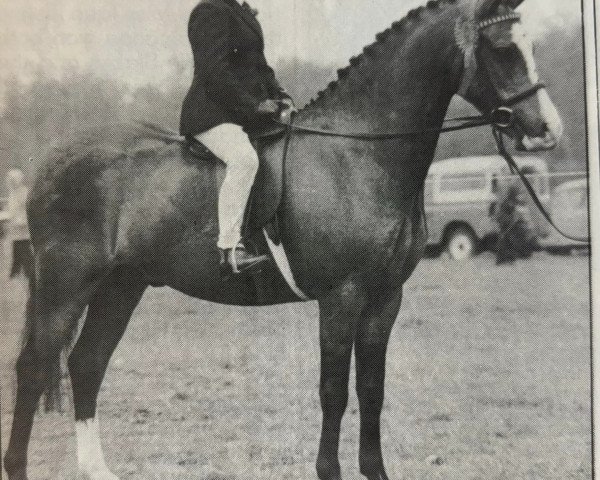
[509, 17]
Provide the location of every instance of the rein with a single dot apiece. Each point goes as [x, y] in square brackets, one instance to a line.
[467, 122]
[500, 119]
[499, 137]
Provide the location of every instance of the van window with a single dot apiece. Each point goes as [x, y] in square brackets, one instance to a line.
[457, 182]
[543, 185]
[495, 185]
[538, 179]
[429, 189]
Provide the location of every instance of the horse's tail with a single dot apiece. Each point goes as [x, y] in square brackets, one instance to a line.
[28, 327]
[53, 397]
[27, 332]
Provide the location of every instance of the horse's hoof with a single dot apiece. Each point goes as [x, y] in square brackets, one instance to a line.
[17, 475]
[101, 474]
[334, 476]
[381, 475]
[14, 470]
[328, 469]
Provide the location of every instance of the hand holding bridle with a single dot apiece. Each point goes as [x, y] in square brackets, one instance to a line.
[268, 107]
[287, 110]
[280, 109]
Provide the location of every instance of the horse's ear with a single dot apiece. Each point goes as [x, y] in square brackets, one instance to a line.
[486, 8]
[513, 3]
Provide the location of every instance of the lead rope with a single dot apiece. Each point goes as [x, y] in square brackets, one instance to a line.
[499, 137]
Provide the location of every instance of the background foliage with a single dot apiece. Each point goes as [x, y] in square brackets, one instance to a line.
[37, 113]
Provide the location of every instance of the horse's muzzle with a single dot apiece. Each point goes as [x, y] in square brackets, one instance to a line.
[536, 144]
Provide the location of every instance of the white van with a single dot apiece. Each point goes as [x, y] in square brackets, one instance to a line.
[461, 195]
[3, 216]
[570, 213]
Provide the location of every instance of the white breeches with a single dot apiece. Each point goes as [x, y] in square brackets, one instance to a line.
[230, 143]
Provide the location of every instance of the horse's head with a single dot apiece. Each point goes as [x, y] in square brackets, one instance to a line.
[500, 76]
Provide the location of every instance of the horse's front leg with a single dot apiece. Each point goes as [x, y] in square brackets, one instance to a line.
[339, 313]
[373, 333]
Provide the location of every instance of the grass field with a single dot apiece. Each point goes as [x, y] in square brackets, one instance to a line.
[488, 377]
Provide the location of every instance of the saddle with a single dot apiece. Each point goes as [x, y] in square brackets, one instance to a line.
[267, 190]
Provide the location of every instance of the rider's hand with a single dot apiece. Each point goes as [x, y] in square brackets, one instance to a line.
[288, 105]
[287, 110]
[268, 107]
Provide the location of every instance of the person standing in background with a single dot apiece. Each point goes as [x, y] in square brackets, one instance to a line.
[17, 232]
[517, 238]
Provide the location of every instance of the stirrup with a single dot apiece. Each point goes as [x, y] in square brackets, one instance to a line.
[232, 260]
[229, 265]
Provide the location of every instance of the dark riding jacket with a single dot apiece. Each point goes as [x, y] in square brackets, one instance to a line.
[231, 73]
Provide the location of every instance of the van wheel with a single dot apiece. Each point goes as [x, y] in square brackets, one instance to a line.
[461, 244]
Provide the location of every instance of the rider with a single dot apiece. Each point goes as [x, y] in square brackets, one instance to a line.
[234, 90]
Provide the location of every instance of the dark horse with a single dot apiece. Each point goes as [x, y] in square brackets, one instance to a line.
[118, 209]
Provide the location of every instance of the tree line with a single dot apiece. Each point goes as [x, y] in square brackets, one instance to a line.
[36, 113]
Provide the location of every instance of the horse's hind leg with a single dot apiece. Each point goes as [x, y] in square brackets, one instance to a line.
[60, 296]
[108, 315]
[372, 336]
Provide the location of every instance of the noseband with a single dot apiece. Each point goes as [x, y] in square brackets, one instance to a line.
[467, 34]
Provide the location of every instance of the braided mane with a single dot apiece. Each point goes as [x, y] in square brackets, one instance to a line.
[370, 51]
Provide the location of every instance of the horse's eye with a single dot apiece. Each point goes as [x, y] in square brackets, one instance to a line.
[503, 45]
[503, 52]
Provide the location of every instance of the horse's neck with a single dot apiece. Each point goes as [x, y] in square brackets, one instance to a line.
[404, 82]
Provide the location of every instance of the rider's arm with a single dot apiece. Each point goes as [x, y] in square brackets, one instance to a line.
[209, 35]
[275, 89]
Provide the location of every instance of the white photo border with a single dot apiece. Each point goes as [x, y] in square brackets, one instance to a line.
[591, 25]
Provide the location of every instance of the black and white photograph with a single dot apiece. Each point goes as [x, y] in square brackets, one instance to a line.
[298, 239]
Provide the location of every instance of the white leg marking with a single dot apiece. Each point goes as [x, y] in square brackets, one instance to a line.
[90, 458]
[547, 109]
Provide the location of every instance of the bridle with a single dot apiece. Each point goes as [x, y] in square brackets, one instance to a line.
[470, 62]
[500, 119]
